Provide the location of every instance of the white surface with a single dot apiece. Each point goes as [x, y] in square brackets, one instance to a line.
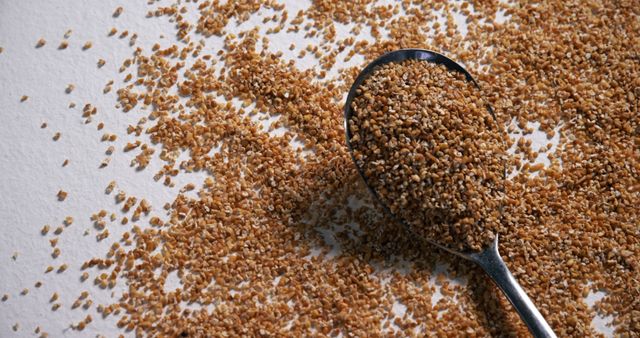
[31, 162]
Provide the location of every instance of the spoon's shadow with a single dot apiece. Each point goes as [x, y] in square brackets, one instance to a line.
[345, 221]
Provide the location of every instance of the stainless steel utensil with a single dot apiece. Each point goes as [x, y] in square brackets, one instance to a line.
[488, 259]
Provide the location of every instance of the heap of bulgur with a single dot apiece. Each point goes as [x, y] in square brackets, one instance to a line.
[431, 150]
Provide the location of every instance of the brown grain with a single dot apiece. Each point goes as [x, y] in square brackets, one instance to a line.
[278, 225]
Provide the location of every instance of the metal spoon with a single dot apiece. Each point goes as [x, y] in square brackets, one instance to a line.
[488, 259]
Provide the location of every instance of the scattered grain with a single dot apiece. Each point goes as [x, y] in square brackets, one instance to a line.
[110, 187]
[68, 220]
[62, 268]
[117, 12]
[261, 216]
[62, 195]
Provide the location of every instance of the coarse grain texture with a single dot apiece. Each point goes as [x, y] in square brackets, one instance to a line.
[284, 240]
[432, 152]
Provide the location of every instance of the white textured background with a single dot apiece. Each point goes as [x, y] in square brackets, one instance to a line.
[31, 162]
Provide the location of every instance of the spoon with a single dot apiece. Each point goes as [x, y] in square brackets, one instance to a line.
[488, 258]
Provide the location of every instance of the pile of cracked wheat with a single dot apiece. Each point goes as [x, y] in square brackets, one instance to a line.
[250, 248]
[431, 150]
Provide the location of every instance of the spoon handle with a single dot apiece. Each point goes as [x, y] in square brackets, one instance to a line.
[491, 262]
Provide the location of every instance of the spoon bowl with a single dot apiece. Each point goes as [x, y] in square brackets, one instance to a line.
[489, 258]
